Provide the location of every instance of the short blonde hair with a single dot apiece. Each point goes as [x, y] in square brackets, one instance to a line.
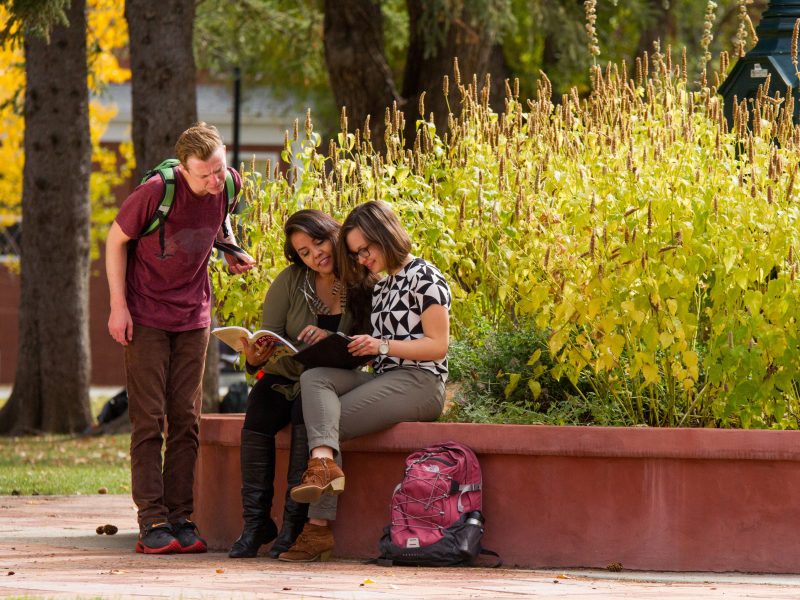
[200, 140]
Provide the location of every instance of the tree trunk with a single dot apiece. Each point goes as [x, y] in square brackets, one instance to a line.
[51, 384]
[163, 78]
[359, 74]
[425, 70]
[498, 68]
[658, 29]
[164, 102]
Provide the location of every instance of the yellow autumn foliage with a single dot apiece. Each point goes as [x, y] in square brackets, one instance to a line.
[649, 242]
[107, 35]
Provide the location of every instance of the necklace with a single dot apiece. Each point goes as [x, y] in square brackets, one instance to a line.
[316, 305]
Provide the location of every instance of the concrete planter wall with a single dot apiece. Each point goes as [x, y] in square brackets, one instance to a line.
[650, 499]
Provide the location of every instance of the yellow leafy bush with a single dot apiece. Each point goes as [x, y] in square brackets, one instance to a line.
[652, 245]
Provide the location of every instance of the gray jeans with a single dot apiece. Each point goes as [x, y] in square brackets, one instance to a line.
[340, 405]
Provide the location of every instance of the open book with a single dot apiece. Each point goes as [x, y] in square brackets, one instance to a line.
[232, 336]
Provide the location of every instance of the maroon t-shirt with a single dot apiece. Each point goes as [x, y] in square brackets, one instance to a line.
[171, 293]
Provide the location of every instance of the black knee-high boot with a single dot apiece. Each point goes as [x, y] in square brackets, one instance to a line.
[258, 487]
[294, 513]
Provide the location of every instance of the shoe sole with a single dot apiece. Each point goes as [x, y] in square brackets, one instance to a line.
[196, 548]
[172, 548]
[250, 553]
[309, 493]
[321, 557]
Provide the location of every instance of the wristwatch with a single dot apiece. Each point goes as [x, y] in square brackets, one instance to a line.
[383, 348]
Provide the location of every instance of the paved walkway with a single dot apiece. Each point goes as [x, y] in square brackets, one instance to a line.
[49, 549]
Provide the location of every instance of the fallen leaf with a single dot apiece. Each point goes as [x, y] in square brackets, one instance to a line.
[368, 581]
[220, 570]
[10, 573]
[562, 576]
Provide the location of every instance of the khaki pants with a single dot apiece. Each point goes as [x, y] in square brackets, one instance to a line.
[164, 373]
[340, 405]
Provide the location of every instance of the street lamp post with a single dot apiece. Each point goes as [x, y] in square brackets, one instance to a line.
[237, 114]
[770, 56]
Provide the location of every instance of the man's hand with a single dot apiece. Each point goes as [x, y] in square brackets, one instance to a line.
[120, 325]
[239, 262]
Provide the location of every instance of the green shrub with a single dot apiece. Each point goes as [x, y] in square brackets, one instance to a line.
[653, 245]
[505, 376]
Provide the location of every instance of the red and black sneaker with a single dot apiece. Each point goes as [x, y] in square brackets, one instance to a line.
[157, 538]
[185, 531]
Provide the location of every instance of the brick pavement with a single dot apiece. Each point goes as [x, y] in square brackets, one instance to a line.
[49, 549]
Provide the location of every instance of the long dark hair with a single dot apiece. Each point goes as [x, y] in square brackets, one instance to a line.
[380, 227]
[319, 225]
[314, 223]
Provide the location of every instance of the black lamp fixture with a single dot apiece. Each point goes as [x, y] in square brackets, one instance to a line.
[772, 56]
[237, 114]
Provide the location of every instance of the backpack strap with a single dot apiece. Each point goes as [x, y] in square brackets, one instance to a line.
[230, 190]
[463, 489]
[165, 170]
[497, 563]
[230, 197]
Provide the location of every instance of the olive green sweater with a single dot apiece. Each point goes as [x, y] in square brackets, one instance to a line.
[286, 312]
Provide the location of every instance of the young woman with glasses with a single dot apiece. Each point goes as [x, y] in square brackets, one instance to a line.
[410, 336]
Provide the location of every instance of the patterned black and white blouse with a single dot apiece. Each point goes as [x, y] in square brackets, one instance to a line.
[398, 302]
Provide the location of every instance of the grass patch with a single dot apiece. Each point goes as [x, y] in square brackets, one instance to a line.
[64, 465]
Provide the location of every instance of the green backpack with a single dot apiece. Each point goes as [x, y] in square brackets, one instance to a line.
[166, 170]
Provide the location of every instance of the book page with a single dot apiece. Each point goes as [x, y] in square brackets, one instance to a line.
[232, 335]
[272, 337]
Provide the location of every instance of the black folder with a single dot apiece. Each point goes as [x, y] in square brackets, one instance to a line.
[331, 352]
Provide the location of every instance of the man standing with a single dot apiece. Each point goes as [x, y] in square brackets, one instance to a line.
[160, 312]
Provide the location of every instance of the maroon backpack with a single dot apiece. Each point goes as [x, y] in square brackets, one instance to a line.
[436, 517]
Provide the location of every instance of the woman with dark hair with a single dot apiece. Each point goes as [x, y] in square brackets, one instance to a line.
[307, 301]
[410, 334]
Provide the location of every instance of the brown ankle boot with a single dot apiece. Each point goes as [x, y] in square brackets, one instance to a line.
[322, 476]
[315, 543]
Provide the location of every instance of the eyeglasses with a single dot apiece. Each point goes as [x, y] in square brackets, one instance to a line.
[364, 253]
